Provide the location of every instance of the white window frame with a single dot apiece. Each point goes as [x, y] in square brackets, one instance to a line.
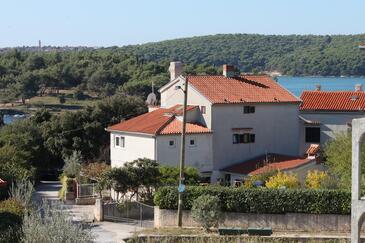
[174, 145]
[121, 141]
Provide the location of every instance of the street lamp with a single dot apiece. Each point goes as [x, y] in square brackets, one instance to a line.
[182, 155]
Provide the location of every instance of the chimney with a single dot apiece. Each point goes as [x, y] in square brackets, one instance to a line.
[229, 71]
[175, 70]
[318, 87]
[358, 87]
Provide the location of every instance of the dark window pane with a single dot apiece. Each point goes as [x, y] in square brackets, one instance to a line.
[312, 135]
[252, 138]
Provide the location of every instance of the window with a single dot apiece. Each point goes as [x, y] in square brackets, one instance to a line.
[248, 109]
[203, 109]
[192, 142]
[172, 143]
[119, 141]
[243, 138]
[312, 135]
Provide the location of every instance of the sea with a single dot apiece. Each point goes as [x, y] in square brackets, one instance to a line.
[297, 85]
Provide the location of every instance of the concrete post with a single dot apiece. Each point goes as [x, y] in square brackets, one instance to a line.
[357, 204]
[98, 210]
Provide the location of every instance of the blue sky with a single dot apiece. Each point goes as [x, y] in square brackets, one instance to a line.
[122, 22]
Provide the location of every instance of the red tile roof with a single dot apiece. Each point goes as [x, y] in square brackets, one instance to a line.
[249, 88]
[175, 126]
[333, 100]
[160, 121]
[259, 164]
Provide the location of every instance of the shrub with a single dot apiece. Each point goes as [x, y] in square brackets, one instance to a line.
[315, 179]
[22, 191]
[62, 99]
[4, 192]
[281, 180]
[262, 177]
[11, 214]
[53, 224]
[72, 165]
[261, 200]
[170, 175]
[206, 211]
[78, 95]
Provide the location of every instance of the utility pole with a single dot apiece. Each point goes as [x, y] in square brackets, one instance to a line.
[182, 157]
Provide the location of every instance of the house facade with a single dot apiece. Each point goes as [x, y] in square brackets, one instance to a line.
[324, 114]
[231, 119]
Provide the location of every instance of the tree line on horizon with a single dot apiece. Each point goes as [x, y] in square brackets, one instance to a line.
[131, 69]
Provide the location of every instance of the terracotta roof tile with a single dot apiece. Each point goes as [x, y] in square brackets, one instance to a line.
[160, 121]
[313, 149]
[333, 100]
[175, 127]
[249, 88]
[259, 164]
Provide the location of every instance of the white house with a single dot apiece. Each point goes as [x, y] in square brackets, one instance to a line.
[232, 119]
[323, 114]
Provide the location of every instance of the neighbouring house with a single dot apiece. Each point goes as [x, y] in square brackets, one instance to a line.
[299, 165]
[323, 114]
[232, 118]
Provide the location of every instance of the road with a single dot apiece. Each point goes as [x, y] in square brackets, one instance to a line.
[104, 232]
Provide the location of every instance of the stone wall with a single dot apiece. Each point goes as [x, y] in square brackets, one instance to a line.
[85, 200]
[278, 222]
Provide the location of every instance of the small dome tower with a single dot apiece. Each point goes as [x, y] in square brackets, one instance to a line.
[151, 100]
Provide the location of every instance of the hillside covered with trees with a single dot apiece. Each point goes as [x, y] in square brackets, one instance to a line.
[102, 72]
[131, 69]
[289, 54]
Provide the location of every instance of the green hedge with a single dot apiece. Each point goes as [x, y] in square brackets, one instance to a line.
[261, 200]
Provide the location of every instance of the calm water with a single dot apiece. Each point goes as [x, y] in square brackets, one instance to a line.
[297, 85]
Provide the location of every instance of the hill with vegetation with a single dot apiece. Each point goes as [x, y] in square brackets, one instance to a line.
[96, 73]
[289, 54]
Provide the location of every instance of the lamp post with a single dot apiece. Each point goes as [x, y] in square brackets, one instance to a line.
[182, 156]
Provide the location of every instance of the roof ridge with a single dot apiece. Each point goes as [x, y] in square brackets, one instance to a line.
[165, 124]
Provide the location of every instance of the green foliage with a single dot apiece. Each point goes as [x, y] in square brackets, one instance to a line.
[139, 177]
[261, 200]
[320, 180]
[72, 165]
[22, 191]
[53, 224]
[63, 190]
[206, 211]
[62, 99]
[338, 158]
[262, 178]
[170, 175]
[11, 214]
[291, 54]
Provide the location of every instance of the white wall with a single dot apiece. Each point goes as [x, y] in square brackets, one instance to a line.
[332, 123]
[276, 127]
[136, 146]
[199, 156]
[171, 97]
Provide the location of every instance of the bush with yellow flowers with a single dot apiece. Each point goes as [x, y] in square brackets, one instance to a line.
[282, 179]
